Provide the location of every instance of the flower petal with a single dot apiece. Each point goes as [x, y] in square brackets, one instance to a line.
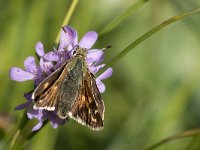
[75, 41]
[95, 69]
[95, 55]
[28, 96]
[51, 56]
[30, 64]
[88, 40]
[106, 74]
[22, 106]
[46, 66]
[20, 75]
[67, 37]
[54, 119]
[37, 126]
[39, 49]
[32, 113]
[57, 121]
[100, 86]
[54, 124]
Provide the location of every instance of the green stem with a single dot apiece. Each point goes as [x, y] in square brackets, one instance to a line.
[32, 134]
[15, 138]
[19, 130]
[115, 22]
[68, 16]
[186, 134]
[150, 33]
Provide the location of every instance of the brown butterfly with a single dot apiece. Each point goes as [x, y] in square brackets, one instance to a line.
[72, 91]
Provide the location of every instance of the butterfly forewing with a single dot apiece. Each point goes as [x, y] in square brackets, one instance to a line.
[47, 100]
[46, 94]
[47, 83]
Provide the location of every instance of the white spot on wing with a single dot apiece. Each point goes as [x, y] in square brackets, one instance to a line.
[51, 108]
[94, 119]
[79, 120]
[35, 107]
[70, 114]
[96, 111]
[33, 96]
[43, 108]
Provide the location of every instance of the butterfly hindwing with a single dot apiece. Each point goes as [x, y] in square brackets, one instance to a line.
[87, 109]
[97, 96]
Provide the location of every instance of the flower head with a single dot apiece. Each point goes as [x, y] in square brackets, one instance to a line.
[51, 61]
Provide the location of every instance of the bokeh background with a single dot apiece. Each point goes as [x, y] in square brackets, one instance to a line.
[154, 91]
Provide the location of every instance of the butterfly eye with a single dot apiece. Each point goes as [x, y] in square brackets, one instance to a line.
[74, 52]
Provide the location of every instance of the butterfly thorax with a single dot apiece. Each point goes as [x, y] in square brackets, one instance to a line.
[80, 53]
[79, 56]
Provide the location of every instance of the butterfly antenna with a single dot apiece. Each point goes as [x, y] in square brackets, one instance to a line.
[103, 49]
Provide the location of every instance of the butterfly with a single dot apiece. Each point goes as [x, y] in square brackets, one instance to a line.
[72, 91]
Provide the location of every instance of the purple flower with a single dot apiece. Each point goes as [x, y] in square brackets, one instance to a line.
[51, 61]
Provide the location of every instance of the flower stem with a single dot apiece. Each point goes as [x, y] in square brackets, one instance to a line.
[185, 134]
[148, 34]
[31, 135]
[19, 130]
[15, 138]
[68, 16]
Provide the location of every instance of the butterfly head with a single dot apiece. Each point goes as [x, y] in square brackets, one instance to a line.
[79, 52]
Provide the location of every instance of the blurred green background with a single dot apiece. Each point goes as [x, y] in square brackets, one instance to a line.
[154, 91]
